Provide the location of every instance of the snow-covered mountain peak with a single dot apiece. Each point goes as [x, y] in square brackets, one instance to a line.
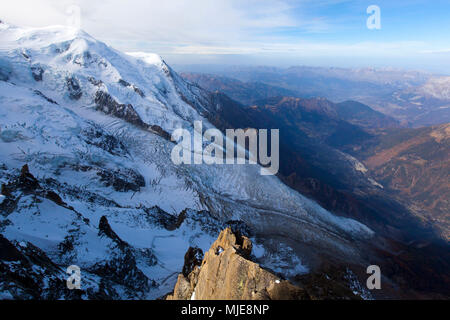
[39, 37]
[157, 95]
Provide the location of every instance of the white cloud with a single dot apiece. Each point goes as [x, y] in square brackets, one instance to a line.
[303, 48]
[438, 51]
[169, 23]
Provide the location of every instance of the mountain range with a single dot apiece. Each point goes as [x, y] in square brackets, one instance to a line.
[414, 98]
[87, 180]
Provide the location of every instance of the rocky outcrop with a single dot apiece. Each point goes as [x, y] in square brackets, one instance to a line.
[105, 103]
[40, 94]
[122, 180]
[121, 267]
[108, 105]
[226, 274]
[37, 73]
[28, 273]
[132, 86]
[26, 183]
[74, 88]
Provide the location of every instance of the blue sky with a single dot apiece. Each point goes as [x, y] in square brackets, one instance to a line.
[404, 20]
[414, 34]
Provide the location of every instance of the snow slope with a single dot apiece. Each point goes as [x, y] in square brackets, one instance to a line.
[90, 122]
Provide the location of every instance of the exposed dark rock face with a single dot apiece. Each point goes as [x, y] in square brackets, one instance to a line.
[108, 105]
[74, 88]
[334, 282]
[45, 277]
[95, 82]
[55, 198]
[4, 190]
[121, 267]
[96, 136]
[139, 91]
[45, 97]
[8, 252]
[119, 253]
[160, 131]
[104, 102]
[157, 216]
[28, 273]
[37, 72]
[26, 181]
[122, 180]
[240, 228]
[35, 268]
[192, 259]
[104, 229]
[84, 59]
[132, 86]
[124, 83]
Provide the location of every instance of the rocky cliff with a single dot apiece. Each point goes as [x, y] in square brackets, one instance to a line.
[226, 273]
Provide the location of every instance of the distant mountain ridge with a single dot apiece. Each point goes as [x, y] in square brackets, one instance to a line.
[362, 115]
[415, 98]
[249, 93]
[243, 92]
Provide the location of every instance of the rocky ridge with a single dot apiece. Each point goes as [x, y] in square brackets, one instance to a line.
[226, 273]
